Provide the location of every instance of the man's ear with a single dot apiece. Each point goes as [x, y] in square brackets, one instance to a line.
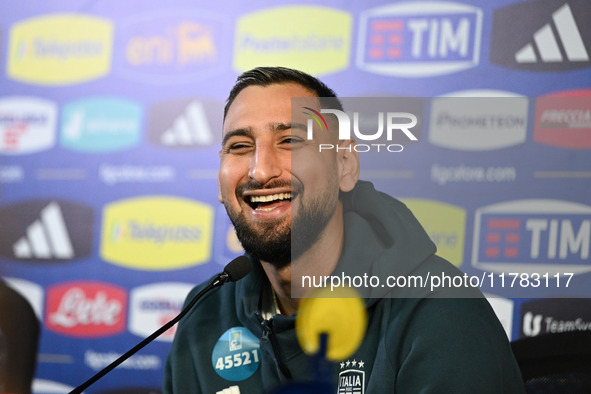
[348, 163]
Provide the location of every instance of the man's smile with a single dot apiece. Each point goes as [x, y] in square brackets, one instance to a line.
[268, 202]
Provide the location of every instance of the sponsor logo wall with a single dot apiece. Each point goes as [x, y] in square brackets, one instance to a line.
[110, 125]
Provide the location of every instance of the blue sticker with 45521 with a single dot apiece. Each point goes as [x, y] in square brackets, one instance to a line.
[236, 355]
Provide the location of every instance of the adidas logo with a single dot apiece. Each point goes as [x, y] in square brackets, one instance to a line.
[548, 40]
[191, 128]
[46, 237]
[230, 390]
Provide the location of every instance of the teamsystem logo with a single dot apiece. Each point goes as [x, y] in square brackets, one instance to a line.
[374, 129]
[552, 316]
[542, 35]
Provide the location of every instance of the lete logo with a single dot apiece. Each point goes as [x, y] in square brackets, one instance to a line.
[86, 309]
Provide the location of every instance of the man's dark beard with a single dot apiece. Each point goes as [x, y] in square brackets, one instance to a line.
[280, 248]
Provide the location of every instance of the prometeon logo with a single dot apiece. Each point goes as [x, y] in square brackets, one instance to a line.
[45, 231]
[419, 40]
[478, 123]
[551, 35]
[27, 125]
[171, 46]
[309, 38]
[101, 124]
[549, 236]
[60, 49]
[157, 233]
[563, 119]
[86, 309]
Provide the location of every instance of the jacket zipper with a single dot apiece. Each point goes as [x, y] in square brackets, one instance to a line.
[269, 335]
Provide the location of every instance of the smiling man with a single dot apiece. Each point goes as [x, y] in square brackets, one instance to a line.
[296, 209]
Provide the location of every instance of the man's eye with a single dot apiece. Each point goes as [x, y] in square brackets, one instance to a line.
[237, 147]
[291, 140]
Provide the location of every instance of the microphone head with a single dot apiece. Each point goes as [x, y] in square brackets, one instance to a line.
[238, 268]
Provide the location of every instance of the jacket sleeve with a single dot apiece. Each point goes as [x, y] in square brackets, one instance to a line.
[456, 346]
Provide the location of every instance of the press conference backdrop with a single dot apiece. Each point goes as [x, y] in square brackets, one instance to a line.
[110, 119]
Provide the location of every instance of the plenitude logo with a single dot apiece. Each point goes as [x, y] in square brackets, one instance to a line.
[157, 233]
[419, 40]
[309, 38]
[381, 122]
[60, 49]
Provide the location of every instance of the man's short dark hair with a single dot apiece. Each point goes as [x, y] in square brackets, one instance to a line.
[265, 76]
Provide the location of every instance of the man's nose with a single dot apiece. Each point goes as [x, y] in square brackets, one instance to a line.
[264, 165]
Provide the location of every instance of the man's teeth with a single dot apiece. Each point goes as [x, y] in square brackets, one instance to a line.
[272, 197]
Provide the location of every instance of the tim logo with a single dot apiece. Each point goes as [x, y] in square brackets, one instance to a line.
[411, 40]
[352, 377]
[542, 35]
[564, 119]
[533, 235]
[172, 46]
[86, 309]
[45, 231]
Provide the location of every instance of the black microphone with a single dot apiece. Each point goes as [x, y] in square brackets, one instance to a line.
[233, 271]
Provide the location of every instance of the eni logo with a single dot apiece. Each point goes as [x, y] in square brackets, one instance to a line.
[60, 49]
